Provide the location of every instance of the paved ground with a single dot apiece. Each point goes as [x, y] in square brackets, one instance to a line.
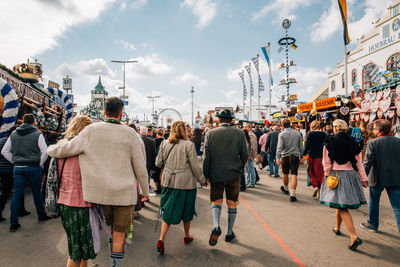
[271, 231]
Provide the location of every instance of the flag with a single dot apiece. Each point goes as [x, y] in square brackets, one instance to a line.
[260, 84]
[375, 76]
[343, 13]
[241, 75]
[266, 55]
[398, 65]
[248, 69]
[255, 61]
[280, 49]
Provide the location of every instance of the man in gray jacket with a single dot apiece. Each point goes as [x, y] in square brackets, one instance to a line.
[382, 165]
[26, 149]
[288, 154]
[225, 154]
[251, 172]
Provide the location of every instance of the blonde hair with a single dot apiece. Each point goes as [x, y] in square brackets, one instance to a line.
[340, 125]
[315, 125]
[178, 131]
[77, 125]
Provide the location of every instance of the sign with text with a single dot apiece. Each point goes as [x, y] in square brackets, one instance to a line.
[305, 107]
[54, 85]
[325, 103]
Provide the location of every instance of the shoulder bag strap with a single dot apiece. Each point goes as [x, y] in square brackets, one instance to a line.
[169, 152]
[62, 169]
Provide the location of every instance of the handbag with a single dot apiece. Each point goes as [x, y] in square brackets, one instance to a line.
[53, 188]
[332, 181]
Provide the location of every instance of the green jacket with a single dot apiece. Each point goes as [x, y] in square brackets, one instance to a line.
[225, 154]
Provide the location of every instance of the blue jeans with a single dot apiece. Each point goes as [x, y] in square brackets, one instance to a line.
[373, 206]
[34, 175]
[272, 163]
[251, 173]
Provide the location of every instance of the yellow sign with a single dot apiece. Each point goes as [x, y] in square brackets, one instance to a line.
[293, 97]
[54, 85]
[319, 104]
[325, 103]
[277, 115]
[305, 107]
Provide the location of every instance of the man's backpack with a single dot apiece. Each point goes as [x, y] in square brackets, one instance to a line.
[357, 134]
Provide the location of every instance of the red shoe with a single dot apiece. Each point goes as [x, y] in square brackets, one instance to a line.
[187, 239]
[160, 247]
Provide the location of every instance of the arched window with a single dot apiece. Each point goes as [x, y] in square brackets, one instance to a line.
[332, 86]
[393, 62]
[353, 76]
[366, 79]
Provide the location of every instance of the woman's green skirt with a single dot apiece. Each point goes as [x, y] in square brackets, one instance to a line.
[76, 222]
[178, 204]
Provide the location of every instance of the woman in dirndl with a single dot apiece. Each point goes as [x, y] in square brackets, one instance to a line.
[342, 159]
[181, 171]
[75, 216]
[314, 147]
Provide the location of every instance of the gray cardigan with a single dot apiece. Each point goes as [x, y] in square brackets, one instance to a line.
[182, 167]
[225, 154]
[382, 162]
[290, 143]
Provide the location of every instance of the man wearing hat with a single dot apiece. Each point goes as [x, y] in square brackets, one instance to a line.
[225, 155]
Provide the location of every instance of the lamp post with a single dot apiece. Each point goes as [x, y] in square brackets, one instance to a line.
[152, 110]
[192, 92]
[124, 97]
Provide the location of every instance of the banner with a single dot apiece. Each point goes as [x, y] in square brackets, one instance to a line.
[256, 61]
[267, 58]
[343, 13]
[375, 76]
[256, 64]
[248, 69]
[241, 75]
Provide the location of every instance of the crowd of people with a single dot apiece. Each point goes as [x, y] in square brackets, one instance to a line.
[103, 171]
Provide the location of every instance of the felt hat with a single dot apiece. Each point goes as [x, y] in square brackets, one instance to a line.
[225, 113]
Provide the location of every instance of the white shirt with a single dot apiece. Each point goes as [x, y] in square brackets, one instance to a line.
[6, 151]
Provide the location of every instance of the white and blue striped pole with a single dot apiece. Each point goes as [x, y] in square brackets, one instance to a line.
[10, 111]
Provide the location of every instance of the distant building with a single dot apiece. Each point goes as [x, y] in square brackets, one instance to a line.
[99, 96]
[381, 47]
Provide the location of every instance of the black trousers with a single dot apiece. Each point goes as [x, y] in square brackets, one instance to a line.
[242, 181]
[7, 182]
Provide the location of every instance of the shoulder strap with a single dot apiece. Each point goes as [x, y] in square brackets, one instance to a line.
[62, 169]
[169, 152]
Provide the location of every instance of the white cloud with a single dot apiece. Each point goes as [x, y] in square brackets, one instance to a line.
[139, 3]
[149, 65]
[328, 24]
[330, 21]
[284, 8]
[204, 10]
[233, 74]
[191, 78]
[126, 45]
[309, 80]
[232, 96]
[26, 37]
[94, 67]
[122, 5]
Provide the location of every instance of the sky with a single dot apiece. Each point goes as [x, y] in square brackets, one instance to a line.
[179, 44]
